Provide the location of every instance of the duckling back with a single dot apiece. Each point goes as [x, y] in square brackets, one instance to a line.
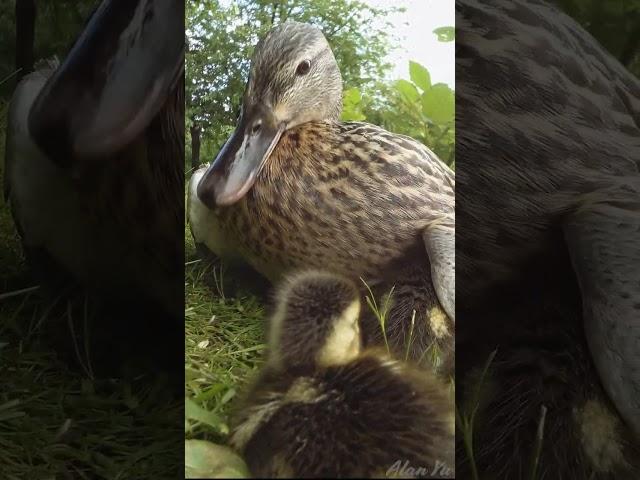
[350, 413]
[368, 418]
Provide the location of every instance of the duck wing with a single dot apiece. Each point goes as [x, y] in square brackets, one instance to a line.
[439, 240]
[603, 236]
[429, 197]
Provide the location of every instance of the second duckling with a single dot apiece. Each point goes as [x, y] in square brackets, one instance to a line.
[323, 407]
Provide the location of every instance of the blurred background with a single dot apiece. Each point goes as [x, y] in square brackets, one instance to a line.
[58, 419]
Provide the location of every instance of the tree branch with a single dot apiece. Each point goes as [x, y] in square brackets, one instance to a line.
[346, 22]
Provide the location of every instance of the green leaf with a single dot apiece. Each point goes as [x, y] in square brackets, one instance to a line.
[419, 75]
[408, 90]
[193, 411]
[445, 34]
[352, 116]
[438, 103]
[351, 108]
[352, 96]
[208, 460]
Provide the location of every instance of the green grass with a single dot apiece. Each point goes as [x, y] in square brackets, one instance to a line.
[466, 417]
[223, 346]
[57, 421]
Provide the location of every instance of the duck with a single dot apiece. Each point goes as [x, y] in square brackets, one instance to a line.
[94, 159]
[324, 407]
[294, 187]
[549, 175]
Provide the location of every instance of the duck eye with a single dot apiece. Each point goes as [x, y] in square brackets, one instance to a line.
[303, 67]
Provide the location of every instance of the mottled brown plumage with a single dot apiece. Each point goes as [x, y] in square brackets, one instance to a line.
[296, 188]
[321, 407]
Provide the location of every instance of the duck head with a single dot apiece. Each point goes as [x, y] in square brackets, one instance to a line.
[116, 78]
[294, 78]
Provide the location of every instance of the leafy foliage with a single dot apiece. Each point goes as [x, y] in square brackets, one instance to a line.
[445, 34]
[208, 460]
[415, 108]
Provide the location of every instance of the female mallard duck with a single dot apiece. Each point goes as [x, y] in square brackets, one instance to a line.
[294, 187]
[94, 157]
[323, 408]
[549, 163]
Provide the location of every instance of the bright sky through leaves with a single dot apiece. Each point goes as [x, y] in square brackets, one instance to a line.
[414, 27]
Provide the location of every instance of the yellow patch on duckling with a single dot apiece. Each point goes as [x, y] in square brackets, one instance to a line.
[599, 429]
[343, 344]
[438, 322]
[275, 333]
[303, 390]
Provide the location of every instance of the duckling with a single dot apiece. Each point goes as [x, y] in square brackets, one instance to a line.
[323, 407]
[542, 405]
[94, 158]
[549, 162]
[295, 188]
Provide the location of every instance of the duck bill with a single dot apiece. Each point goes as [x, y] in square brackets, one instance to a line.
[116, 78]
[238, 164]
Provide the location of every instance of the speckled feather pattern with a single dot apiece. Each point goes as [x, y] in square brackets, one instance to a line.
[349, 196]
